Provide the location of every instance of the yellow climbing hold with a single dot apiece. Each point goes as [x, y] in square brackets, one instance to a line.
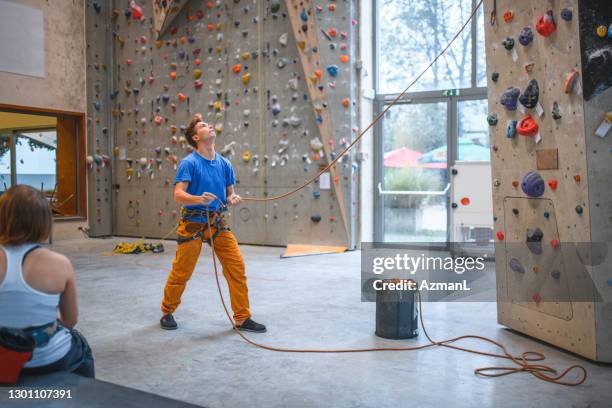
[217, 105]
[246, 156]
[218, 127]
[246, 56]
[246, 78]
[197, 73]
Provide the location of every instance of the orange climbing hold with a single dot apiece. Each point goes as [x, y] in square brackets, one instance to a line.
[317, 73]
[181, 97]
[236, 68]
[527, 126]
[577, 178]
[465, 201]
[332, 32]
[344, 58]
[210, 27]
[515, 184]
[508, 16]
[172, 74]
[183, 40]
[345, 102]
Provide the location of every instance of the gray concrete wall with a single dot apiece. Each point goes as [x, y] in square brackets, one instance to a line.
[63, 88]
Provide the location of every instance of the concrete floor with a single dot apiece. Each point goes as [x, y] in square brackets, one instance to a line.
[305, 302]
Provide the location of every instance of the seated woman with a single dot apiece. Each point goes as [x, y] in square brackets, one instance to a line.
[35, 282]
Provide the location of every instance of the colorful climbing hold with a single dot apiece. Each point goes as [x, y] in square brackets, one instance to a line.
[246, 78]
[508, 16]
[526, 36]
[529, 97]
[237, 68]
[509, 98]
[511, 129]
[197, 73]
[570, 79]
[602, 31]
[492, 119]
[344, 58]
[527, 126]
[566, 14]
[556, 112]
[500, 235]
[554, 243]
[465, 201]
[577, 178]
[579, 209]
[508, 43]
[545, 25]
[494, 76]
[553, 184]
[532, 184]
[332, 70]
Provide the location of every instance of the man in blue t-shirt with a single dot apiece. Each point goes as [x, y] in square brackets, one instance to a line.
[205, 182]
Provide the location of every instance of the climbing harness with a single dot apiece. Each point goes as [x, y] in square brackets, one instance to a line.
[199, 228]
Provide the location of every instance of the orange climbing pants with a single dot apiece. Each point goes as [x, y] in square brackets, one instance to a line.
[187, 254]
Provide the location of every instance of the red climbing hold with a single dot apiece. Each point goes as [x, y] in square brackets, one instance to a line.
[546, 24]
[536, 298]
[465, 201]
[500, 235]
[236, 68]
[553, 184]
[527, 126]
[515, 184]
[554, 243]
[136, 10]
[508, 16]
[332, 32]
[577, 178]
[345, 102]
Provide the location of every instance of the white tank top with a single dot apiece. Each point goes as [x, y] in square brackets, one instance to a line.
[22, 306]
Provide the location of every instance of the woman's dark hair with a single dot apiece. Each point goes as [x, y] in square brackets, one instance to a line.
[25, 216]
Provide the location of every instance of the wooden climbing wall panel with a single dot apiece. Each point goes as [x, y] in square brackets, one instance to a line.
[238, 64]
[549, 199]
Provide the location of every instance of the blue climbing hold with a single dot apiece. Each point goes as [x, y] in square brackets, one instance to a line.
[533, 184]
[526, 36]
[97, 7]
[509, 98]
[566, 14]
[511, 129]
[316, 194]
[332, 70]
[97, 105]
[546, 214]
[304, 15]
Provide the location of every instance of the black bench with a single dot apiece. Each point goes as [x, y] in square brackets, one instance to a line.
[85, 392]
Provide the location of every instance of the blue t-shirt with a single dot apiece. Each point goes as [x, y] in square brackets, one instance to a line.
[203, 175]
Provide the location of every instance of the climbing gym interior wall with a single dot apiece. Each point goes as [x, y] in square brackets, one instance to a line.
[549, 66]
[45, 66]
[277, 79]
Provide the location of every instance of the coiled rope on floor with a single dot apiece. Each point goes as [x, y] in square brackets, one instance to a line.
[524, 362]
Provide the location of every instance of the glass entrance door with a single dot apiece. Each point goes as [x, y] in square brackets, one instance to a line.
[412, 173]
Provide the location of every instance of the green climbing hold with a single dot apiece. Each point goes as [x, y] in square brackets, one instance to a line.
[492, 119]
[495, 76]
[274, 6]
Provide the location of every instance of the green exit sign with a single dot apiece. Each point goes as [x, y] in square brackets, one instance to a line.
[450, 92]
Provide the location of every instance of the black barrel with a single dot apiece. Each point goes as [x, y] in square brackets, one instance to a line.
[396, 313]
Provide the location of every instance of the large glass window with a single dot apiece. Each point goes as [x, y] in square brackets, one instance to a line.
[412, 32]
[36, 162]
[472, 131]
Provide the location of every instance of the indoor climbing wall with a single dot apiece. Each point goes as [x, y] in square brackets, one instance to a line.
[278, 85]
[551, 165]
[98, 38]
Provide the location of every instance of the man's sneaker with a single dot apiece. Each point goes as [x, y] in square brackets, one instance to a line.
[167, 322]
[252, 326]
